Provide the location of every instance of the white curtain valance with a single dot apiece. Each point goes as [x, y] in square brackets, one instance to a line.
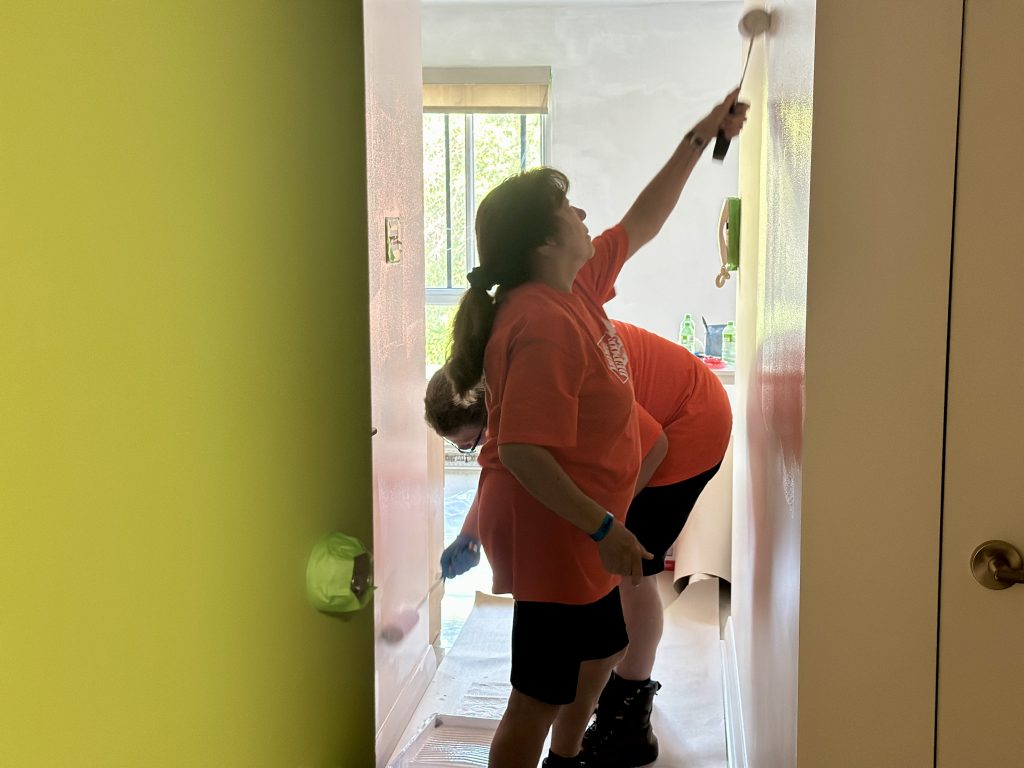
[486, 89]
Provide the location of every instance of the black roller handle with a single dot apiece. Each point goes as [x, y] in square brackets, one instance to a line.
[721, 142]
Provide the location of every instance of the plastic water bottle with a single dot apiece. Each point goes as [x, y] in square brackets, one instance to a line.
[686, 332]
[729, 343]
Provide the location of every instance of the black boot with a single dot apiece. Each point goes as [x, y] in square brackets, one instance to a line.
[557, 761]
[621, 735]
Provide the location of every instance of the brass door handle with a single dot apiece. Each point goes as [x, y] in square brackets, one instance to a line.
[997, 565]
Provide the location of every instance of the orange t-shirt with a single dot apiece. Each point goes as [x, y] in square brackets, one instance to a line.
[685, 397]
[557, 377]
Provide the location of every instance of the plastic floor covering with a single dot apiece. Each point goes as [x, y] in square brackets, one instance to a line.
[450, 727]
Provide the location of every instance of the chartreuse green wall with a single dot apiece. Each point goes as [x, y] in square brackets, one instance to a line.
[184, 381]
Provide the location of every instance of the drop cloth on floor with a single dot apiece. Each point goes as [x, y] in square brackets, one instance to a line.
[688, 718]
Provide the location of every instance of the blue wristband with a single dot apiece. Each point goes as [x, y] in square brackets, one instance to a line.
[606, 525]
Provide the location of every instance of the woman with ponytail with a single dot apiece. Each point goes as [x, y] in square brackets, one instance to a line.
[563, 448]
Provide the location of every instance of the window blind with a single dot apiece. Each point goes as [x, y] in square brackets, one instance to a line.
[503, 90]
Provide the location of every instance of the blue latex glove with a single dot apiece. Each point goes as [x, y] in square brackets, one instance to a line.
[461, 555]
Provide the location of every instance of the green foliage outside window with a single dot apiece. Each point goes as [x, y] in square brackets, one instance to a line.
[497, 149]
[435, 215]
[439, 332]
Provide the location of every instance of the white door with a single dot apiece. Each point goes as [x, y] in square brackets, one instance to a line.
[981, 635]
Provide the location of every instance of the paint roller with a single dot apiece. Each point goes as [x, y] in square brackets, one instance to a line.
[397, 624]
[754, 23]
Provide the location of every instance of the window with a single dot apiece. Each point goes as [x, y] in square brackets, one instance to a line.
[480, 126]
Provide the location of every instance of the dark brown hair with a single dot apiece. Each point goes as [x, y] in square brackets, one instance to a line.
[444, 414]
[513, 220]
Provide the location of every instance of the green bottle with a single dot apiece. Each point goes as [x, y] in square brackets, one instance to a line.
[729, 343]
[686, 331]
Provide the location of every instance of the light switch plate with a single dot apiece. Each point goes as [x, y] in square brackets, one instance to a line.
[392, 239]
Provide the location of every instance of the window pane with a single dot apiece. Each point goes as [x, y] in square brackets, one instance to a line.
[437, 207]
[435, 242]
[457, 141]
[497, 141]
[439, 332]
[496, 151]
[534, 134]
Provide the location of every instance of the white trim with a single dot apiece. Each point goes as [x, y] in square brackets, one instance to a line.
[397, 720]
[545, 141]
[444, 297]
[735, 737]
[469, 172]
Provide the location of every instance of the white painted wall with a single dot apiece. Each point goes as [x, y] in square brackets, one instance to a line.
[772, 312]
[404, 497]
[628, 82]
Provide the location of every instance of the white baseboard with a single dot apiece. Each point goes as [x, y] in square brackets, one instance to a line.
[735, 738]
[397, 720]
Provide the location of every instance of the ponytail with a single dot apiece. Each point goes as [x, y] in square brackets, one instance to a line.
[470, 332]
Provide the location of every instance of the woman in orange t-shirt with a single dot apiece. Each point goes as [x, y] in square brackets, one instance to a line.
[563, 452]
[684, 397]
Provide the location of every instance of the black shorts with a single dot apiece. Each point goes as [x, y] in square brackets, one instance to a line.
[657, 515]
[551, 640]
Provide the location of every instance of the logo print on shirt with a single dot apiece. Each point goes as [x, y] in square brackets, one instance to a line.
[614, 352]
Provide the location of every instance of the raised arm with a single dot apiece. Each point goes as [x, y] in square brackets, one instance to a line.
[648, 214]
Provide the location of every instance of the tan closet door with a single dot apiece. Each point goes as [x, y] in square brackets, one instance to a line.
[981, 637]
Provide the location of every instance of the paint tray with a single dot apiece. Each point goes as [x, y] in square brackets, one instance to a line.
[448, 741]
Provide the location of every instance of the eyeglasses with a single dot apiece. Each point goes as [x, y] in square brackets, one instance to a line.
[476, 442]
